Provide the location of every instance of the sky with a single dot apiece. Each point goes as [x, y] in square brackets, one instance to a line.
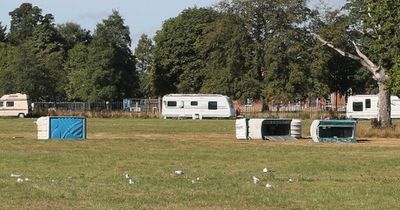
[142, 16]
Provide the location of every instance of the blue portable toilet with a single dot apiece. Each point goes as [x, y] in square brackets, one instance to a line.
[61, 128]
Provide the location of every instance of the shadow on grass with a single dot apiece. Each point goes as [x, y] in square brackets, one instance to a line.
[363, 141]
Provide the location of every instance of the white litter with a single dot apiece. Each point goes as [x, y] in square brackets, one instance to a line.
[290, 180]
[15, 175]
[127, 176]
[265, 170]
[27, 180]
[130, 181]
[198, 178]
[268, 186]
[179, 172]
[193, 181]
[20, 180]
[255, 180]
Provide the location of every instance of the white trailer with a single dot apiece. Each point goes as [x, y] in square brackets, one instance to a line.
[197, 106]
[366, 107]
[14, 105]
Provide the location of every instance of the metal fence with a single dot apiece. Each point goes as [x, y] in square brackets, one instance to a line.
[128, 105]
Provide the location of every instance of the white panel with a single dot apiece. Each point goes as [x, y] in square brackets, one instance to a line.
[314, 130]
[295, 128]
[43, 127]
[255, 126]
[241, 129]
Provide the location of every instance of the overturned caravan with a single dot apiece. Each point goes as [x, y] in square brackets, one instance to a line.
[268, 129]
[333, 131]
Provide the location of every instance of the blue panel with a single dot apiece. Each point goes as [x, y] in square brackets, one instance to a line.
[67, 128]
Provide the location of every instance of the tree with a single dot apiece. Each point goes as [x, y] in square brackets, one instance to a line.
[374, 32]
[177, 62]
[144, 59]
[24, 20]
[227, 48]
[110, 64]
[72, 34]
[3, 34]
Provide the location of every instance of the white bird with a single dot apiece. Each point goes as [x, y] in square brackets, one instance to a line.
[127, 176]
[290, 180]
[265, 170]
[130, 181]
[179, 172]
[268, 186]
[255, 180]
[15, 175]
[20, 180]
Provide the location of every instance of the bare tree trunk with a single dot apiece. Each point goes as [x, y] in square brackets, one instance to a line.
[379, 75]
[384, 106]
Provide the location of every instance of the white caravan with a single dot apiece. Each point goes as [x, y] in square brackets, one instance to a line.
[14, 105]
[366, 107]
[197, 106]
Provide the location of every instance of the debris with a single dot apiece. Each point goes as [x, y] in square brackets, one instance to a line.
[179, 172]
[290, 180]
[20, 180]
[27, 180]
[255, 180]
[193, 181]
[265, 170]
[130, 181]
[15, 175]
[268, 186]
[18, 137]
[198, 178]
[127, 176]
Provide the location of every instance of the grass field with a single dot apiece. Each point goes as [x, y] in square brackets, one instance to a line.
[90, 174]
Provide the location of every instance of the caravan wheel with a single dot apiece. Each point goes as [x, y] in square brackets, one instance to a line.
[21, 115]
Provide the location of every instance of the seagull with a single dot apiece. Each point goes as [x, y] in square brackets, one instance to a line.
[130, 181]
[255, 180]
[179, 172]
[20, 180]
[265, 170]
[15, 175]
[268, 186]
[290, 180]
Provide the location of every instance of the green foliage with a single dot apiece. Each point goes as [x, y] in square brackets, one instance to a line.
[144, 60]
[106, 69]
[226, 48]
[24, 20]
[176, 60]
[72, 34]
[3, 34]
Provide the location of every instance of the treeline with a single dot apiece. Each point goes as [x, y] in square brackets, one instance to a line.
[244, 49]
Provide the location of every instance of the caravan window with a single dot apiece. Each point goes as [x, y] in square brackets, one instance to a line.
[358, 106]
[212, 105]
[171, 103]
[367, 103]
[193, 103]
[10, 103]
[1, 104]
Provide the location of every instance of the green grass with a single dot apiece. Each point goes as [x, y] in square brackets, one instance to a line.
[90, 174]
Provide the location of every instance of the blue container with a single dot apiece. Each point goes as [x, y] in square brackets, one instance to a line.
[68, 128]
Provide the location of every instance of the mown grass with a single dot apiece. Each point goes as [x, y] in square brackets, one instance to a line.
[90, 174]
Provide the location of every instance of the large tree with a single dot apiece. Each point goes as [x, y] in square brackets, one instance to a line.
[373, 30]
[72, 34]
[227, 49]
[110, 64]
[144, 59]
[177, 62]
[24, 20]
[3, 34]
